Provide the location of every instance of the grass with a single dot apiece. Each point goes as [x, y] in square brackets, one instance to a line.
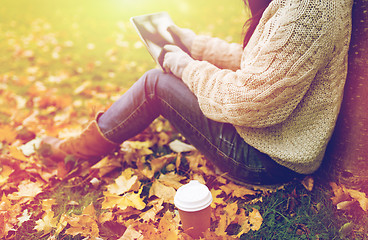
[61, 45]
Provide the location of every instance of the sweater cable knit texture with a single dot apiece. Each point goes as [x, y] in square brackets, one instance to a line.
[283, 91]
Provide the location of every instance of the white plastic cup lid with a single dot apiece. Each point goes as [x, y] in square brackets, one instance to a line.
[193, 197]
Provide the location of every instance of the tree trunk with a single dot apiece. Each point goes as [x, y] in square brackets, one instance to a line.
[348, 148]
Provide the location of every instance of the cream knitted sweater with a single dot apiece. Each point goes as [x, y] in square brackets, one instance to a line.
[283, 91]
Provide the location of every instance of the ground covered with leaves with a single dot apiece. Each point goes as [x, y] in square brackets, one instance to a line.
[63, 61]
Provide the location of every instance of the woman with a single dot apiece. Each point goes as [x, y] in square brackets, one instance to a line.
[262, 112]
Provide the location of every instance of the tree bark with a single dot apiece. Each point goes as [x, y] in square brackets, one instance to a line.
[348, 148]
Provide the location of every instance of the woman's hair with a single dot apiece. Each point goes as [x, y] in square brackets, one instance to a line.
[257, 8]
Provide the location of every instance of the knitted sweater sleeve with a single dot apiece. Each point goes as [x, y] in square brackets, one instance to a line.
[290, 45]
[217, 51]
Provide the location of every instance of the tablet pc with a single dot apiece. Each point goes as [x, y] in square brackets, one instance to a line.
[152, 29]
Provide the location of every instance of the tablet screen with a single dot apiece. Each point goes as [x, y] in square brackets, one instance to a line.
[152, 28]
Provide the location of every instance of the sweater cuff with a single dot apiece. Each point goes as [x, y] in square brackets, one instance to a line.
[198, 47]
[186, 77]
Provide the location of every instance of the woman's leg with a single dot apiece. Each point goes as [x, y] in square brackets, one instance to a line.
[158, 93]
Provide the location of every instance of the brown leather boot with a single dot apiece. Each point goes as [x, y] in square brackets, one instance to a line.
[89, 146]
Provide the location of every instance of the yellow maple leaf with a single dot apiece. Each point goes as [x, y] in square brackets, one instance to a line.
[142, 147]
[131, 233]
[215, 199]
[222, 225]
[195, 160]
[255, 219]
[24, 218]
[231, 210]
[243, 221]
[47, 222]
[171, 180]
[90, 211]
[226, 218]
[47, 204]
[236, 190]
[161, 191]
[158, 163]
[106, 165]
[129, 199]
[8, 215]
[27, 190]
[124, 183]
[82, 224]
[167, 228]
[251, 222]
[157, 205]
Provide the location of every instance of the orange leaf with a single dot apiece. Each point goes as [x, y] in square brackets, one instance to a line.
[17, 154]
[7, 134]
[5, 173]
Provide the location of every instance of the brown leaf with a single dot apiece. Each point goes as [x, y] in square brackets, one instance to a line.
[344, 205]
[339, 194]
[360, 197]
[343, 195]
[308, 183]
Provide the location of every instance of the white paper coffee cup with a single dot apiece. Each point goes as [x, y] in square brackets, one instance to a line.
[193, 201]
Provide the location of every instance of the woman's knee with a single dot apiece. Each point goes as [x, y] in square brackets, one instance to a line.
[156, 81]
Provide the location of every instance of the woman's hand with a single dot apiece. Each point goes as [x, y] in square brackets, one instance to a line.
[175, 60]
[183, 37]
